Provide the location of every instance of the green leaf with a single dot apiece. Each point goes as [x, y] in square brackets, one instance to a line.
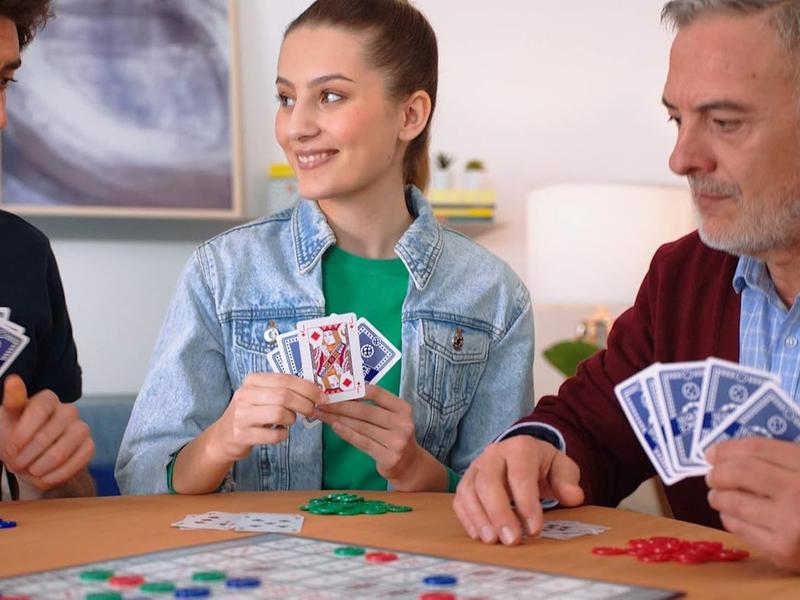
[565, 356]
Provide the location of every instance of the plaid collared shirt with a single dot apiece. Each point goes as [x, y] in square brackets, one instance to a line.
[769, 333]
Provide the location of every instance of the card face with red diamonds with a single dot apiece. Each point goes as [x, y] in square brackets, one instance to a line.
[331, 356]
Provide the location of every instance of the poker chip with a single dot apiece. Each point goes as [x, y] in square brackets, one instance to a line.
[380, 557]
[609, 551]
[670, 549]
[348, 505]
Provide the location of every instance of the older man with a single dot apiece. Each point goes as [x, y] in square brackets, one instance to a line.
[44, 446]
[728, 290]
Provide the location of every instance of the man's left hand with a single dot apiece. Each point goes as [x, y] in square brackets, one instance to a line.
[755, 486]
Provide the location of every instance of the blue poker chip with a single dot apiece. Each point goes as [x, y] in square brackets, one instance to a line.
[243, 582]
[193, 592]
[7, 524]
[440, 580]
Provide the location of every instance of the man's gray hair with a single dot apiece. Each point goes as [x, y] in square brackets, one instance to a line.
[784, 14]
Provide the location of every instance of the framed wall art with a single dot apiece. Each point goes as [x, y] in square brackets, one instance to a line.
[127, 108]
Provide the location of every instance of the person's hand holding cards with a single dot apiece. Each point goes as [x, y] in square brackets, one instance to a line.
[734, 425]
[338, 353]
[384, 429]
[261, 411]
[45, 442]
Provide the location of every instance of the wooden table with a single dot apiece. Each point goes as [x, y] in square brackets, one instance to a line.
[59, 533]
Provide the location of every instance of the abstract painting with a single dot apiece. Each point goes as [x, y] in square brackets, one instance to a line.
[126, 107]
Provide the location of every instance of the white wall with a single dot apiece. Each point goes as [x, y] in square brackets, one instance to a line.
[541, 91]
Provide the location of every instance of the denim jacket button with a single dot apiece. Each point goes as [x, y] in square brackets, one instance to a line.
[271, 333]
[458, 339]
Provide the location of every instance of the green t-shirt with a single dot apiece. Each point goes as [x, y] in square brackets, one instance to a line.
[375, 290]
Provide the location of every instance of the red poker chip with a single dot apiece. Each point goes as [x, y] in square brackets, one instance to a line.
[655, 557]
[666, 548]
[731, 554]
[691, 558]
[126, 580]
[660, 539]
[380, 557]
[437, 596]
[609, 551]
[703, 545]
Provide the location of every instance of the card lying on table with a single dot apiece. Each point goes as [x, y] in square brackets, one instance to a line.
[260, 522]
[678, 410]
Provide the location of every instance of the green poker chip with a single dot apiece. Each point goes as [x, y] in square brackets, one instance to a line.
[348, 505]
[349, 551]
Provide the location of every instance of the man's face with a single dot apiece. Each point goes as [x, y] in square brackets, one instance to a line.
[9, 61]
[730, 90]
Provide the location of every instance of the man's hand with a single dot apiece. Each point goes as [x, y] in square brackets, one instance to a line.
[42, 441]
[755, 486]
[520, 470]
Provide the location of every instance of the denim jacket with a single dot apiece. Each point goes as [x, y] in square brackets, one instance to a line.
[467, 344]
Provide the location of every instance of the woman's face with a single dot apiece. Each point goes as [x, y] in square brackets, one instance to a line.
[335, 123]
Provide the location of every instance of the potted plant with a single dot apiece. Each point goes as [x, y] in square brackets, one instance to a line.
[442, 176]
[474, 175]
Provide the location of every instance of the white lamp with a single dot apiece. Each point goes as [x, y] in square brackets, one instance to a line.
[592, 243]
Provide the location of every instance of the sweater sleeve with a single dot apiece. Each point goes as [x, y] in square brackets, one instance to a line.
[586, 412]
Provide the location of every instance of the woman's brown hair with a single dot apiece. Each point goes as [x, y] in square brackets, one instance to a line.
[28, 15]
[402, 43]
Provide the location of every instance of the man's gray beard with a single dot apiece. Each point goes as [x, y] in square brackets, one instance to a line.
[758, 233]
[761, 226]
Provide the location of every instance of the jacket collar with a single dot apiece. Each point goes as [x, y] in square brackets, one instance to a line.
[419, 247]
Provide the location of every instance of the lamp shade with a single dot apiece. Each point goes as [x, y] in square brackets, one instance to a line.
[592, 243]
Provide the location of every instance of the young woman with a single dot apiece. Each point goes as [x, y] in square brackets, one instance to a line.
[357, 86]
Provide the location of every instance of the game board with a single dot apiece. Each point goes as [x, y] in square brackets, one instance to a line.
[280, 566]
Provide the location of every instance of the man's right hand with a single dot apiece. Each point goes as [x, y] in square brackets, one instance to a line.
[520, 470]
[42, 440]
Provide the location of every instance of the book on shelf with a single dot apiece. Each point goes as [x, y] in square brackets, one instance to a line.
[462, 197]
[463, 213]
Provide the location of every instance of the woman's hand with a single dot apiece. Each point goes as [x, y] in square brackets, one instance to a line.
[384, 429]
[260, 412]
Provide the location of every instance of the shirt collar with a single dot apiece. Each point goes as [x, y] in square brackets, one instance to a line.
[419, 247]
[752, 273]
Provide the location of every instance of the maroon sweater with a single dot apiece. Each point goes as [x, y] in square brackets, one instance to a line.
[686, 310]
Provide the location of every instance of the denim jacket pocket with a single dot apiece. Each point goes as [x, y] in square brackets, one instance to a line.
[253, 340]
[452, 359]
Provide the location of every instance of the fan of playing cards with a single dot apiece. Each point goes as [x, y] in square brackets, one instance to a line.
[12, 339]
[679, 410]
[339, 353]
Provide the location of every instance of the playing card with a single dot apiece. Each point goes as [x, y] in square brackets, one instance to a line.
[276, 361]
[331, 356]
[652, 401]
[5, 313]
[12, 342]
[378, 355]
[679, 398]
[566, 530]
[270, 522]
[290, 353]
[644, 420]
[769, 413]
[215, 520]
[726, 386]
